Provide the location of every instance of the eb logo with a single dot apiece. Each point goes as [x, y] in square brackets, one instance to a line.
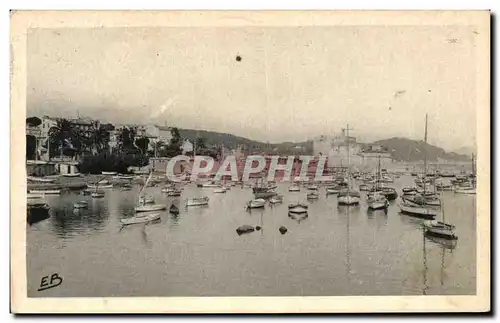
[55, 281]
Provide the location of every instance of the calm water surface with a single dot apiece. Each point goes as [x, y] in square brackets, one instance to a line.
[334, 251]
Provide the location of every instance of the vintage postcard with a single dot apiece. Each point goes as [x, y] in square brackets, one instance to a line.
[250, 162]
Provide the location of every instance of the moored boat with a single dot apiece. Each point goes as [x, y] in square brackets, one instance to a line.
[100, 186]
[298, 208]
[71, 175]
[465, 190]
[412, 209]
[377, 201]
[348, 197]
[276, 199]
[142, 218]
[40, 179]
[312, 195]
[256, 203]
[46, 192]
[150, 207]
[294, 188]
[196, 201]
[109, 173]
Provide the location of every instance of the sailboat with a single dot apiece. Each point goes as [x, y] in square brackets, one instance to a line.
[348, 196]
[148, 207]
[471, 187]
[440, 229]
[412, 206]
[376, 200]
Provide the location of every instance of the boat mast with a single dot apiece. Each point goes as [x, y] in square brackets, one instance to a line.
[425, 155]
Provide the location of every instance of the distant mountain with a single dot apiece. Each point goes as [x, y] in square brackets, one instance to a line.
[232, 142]
[465, 151]
[403, 149]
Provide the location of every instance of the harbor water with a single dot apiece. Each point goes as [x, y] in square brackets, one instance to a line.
[334, 251]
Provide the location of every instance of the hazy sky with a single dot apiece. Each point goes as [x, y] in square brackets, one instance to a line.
[291, 84]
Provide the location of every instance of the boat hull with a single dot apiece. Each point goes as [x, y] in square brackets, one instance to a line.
[150, 208]
[45, 192]
[377, 205]
[348, 200]
[141, 219]
[419, 212]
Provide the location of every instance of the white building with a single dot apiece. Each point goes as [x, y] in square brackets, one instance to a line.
[187, 146]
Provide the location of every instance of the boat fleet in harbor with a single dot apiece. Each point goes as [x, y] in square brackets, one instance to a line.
[422, 199]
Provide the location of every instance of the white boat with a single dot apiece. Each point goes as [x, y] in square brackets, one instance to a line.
[332, 190]
[71, 175]
[46, 192]
[298, 208]
[40, 179]
[294, 188]
[348, 197]
[255, 204]
[31, 196]
[313, 187]
[220, 190]
[416, 210]
[276, 199]
[465, 190]
[81, 205]
[141, 219]
[196, 201]
[312, 196]
[100, 186]
[440, 229]
[150, 208]
[97, 194]
[377, 201]
[109, 173]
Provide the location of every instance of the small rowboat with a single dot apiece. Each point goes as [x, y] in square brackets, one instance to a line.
[142, 218]
[109, 173]
[255, 204]
[196, 201]
[40, 179]
[71, 175]
[100, 186]
[298, 208]
[44, 192]
[312, 196]
[81, 205]
[150, 208]
[220, 190]
[276, 199]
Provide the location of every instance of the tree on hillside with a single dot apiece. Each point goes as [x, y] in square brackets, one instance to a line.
[174, 148]
[97, 138]
[142, 143]
[33, 121]
[64, 139]
[126, 139]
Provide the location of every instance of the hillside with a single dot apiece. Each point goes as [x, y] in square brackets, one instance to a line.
[403, 149]
[232, 142]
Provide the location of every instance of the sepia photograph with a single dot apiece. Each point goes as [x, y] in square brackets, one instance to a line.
[250, 161]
